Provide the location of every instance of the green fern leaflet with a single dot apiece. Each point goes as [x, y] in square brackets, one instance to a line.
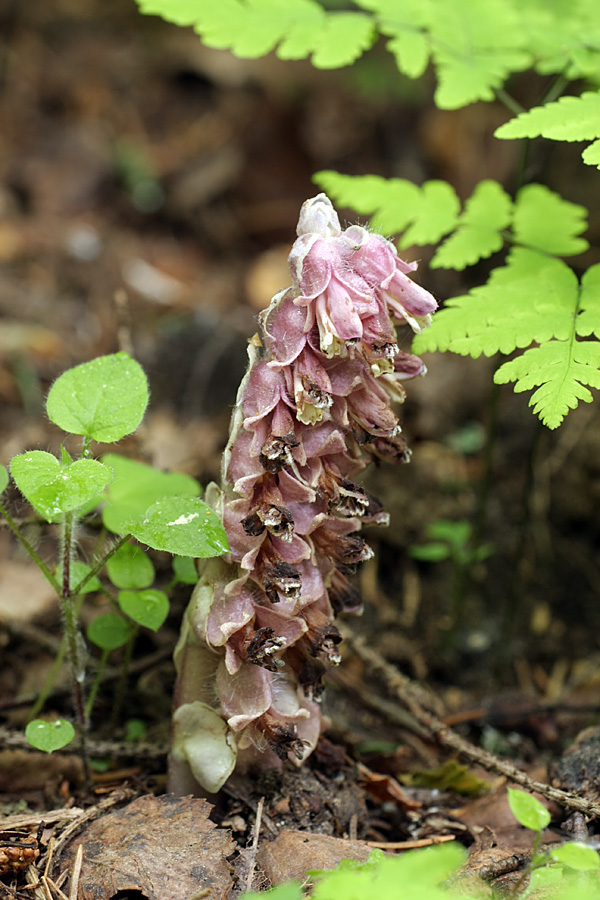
[295, 29]
[568, 119]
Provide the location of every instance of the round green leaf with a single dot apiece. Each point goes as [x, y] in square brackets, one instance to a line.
[53, 488]
[136, 730]
[77, 572]
[528, 811]
[3, 478]
[185, 526]
[135, 486]
[104, 399]
[185, 570]
[49, 736]
[109, 631]
[576, 856]
[130, 567]
[149, 608]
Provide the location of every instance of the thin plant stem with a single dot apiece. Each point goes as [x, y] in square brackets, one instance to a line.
[73, 640]
[121, 688]
[98, 565]
[509, 102]
[27, 546]
[50, 680]
[89, 705]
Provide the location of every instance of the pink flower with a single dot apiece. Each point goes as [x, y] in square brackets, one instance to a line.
[314, 406]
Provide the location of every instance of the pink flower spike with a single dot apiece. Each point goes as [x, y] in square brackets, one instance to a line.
[315, 407]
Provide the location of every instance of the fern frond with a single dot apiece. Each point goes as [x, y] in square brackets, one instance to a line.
[543, 220]
[436, 216]
[487, 212]
[252, 28]
[564, 37]
[588, 320]
[532, 298]
[567, 119]
[424, 213]
[562, 371]
[474, 45]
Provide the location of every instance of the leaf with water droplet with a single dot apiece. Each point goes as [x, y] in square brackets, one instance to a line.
[49, 736]
[185, 526]
[54, 489]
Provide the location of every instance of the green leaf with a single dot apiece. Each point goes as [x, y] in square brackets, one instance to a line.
[400, 205]
[3, 478]
[562, 371]
[344, 38]
[149, 608]
[77, 572]
[475, 47]
[567, 119]
[135, 486]
[428, 212]
[54, 489]
[588, 320]
[591, 154]
[433, 552]
[544, 876]
[577, 856]
[136, 730]
[411, 50]
[456, 533]
[185, 526]
[364, 193]
[527, 810]
[252, 28]
[49, 736]
[487, 212]
[436, 216]
[130, 567]
[109, 632]
[180, 12]
[543, 220]
[532, 298]
[185, 570]
[292, 890]
[104, 399]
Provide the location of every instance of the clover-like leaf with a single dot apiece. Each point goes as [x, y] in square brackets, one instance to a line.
[103, 399]
[49, 736]
[3, 478]
[185, 526]
[130, 567]
[527, 810]
[109, 632]
[149, 608]
[54, 489]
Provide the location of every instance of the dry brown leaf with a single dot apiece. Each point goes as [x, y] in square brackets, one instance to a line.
[291, 855]
[166, 848]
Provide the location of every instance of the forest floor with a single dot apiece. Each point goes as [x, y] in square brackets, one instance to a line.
[136, 164]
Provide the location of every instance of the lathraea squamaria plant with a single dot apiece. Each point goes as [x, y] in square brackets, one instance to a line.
[314, 407]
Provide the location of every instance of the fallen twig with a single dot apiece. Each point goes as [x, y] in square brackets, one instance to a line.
[401, 687]
[411, 845]
[254, 848]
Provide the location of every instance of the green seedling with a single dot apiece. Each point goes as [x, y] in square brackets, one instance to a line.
[103, 401]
